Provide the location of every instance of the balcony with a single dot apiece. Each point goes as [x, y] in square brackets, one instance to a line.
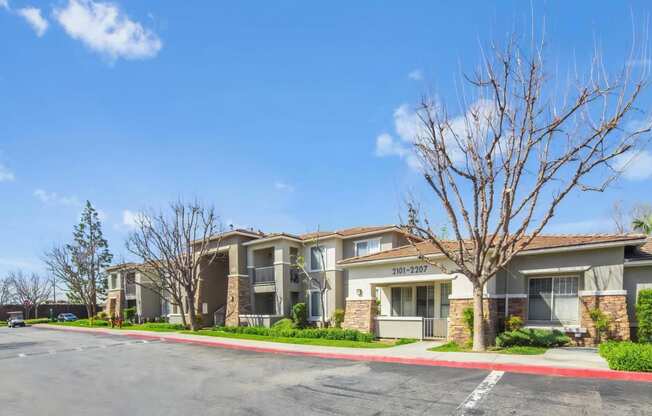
[130, 290]
[264, 275]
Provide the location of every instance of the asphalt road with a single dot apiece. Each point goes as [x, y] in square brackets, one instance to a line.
[46, 372]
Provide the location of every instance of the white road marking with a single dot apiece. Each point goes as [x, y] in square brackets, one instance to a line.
[79, 349]
[22, 355]
[478, 394]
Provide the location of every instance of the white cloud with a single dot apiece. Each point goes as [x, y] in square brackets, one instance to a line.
[104, 28]
[4, 4]
[409, 129]
[416, 75]
[55, 199]
[6, 175]
[131, 219]
[635, 166]
[282, 186]
[34, 18]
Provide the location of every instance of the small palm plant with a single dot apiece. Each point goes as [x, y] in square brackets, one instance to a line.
[643, 224]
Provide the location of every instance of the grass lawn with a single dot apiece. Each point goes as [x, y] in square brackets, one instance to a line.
[303, 341]
[154, 327]
[517, 350]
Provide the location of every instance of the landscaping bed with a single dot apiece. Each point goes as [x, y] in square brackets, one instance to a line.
[516, 349]
[627, 355]
[98, 323]
[219, 332]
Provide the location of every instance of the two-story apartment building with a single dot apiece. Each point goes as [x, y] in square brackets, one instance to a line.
[554, 283]
[129, 288]
[276, 283]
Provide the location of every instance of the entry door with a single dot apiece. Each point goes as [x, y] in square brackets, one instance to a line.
[426, 301]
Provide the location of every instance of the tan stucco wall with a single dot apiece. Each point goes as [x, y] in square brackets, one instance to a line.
[636, 278]
[606, 272]
[399, 328]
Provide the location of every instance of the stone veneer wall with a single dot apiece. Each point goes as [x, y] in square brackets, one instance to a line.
[614, 306]
[457, 330]
[238, 299]
[359, 314]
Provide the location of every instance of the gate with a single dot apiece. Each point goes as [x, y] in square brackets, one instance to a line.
[435, 328]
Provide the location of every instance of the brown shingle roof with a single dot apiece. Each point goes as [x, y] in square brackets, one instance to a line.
[540, 242]
[348, 232]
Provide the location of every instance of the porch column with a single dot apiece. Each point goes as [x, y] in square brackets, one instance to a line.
[238, 292]
[359, 314]
[613, 303]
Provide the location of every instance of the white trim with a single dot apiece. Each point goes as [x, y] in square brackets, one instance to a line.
[254, 315]
[272, 238]
[601, 292]
[323, 256]
[360, 298]
[399, 318]
[310, 316]
[555, 270]
[638, 263]
[237, 275]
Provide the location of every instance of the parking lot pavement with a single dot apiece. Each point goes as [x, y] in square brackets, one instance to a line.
[80, 374]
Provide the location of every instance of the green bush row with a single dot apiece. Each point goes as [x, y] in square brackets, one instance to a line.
[161, 326]
[284, 332]
[532, 338]
[644, 315]
[37, 321]
[627, 355]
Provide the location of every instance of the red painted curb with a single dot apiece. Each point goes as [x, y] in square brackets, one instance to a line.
[478, 365]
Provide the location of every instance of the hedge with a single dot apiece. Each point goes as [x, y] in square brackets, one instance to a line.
[325, 333]
[627, 355]
[37, 321]
[644, 315]
[532, 338]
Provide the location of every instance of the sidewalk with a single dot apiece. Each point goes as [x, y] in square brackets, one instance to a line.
[564, 362]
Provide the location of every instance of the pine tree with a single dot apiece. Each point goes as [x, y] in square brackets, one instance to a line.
[90, 254]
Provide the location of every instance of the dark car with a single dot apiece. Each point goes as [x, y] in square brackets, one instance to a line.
[66, 317]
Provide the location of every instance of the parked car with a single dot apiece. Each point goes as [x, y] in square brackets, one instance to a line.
[66, 317]
[15, 319]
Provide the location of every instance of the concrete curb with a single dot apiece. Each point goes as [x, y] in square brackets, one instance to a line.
[478, 365]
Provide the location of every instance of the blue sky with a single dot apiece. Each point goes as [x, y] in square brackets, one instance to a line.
[268, 110]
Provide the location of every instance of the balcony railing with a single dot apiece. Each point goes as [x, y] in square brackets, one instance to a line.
[264, 275]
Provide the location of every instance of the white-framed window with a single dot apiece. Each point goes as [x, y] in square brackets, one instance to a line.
[114, 281]
[315, 304]
[554, 299]
[365, 247]
[401, 301]
[317, 258]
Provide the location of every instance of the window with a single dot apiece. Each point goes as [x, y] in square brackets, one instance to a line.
[362, 248]
[315, 304]
[444, 306]
[401, 301]
[316, 257]
[114, 281]
[426, 301]
[554, 299]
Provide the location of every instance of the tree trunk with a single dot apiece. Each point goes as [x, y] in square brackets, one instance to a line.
[192, 316]
[182, 311]
[323, 309]
[478, 319]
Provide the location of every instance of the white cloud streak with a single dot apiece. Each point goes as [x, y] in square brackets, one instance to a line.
[635, 166]
[282, 186]
[104, 28]
[6, 175]
[55, 199]
[33, 16]
[416, 75]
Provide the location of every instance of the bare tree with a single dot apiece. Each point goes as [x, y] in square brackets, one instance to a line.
[314, 277]
[7, 294]
[172, 247]
[618, 218]
[501, 169]
[30, 291]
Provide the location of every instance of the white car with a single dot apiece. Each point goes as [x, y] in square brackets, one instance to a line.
[15, 319]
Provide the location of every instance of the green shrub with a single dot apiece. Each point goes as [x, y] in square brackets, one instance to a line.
[37, 321]
[627, 355]
[644, 315]
[532, 338]
[161, 326]
[283, 324]
[129, 314]
[103, 316]
[404, 341]
[284, 332]
[601, 322]
[300, 315]
[338, 317]
[87, 322]
[513, 323]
